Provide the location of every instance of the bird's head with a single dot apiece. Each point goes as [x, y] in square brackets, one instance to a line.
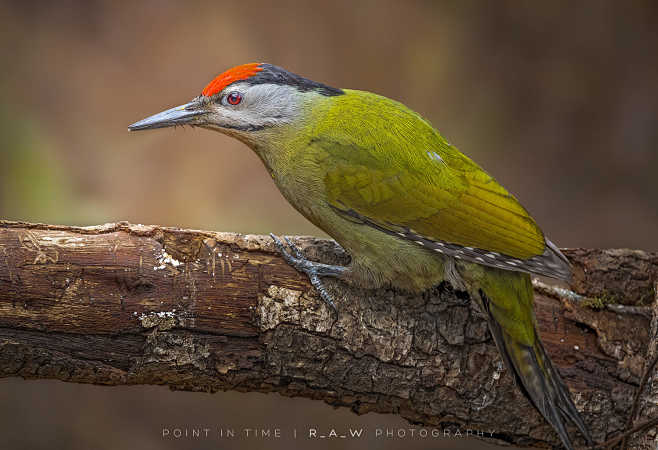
[243, 101]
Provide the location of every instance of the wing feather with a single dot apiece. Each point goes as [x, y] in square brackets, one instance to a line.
[454, 202]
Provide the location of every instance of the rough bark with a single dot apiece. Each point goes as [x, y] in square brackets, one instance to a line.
[130, 304]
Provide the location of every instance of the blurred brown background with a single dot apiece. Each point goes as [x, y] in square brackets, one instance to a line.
[558, 100]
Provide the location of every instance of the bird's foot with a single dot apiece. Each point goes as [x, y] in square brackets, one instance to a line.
[313, 269]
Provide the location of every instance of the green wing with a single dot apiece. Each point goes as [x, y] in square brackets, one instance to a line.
[438, 194]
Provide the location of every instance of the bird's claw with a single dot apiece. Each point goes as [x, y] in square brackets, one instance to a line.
[296, 251]
[295, 261]
[313, 270]
[324, 295]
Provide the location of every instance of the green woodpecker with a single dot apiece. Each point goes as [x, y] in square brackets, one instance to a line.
[409, 208]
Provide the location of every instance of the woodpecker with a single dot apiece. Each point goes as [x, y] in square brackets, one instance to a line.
[410, 209]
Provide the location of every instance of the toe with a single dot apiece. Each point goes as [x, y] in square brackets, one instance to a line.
[295, 250]
[282, 249]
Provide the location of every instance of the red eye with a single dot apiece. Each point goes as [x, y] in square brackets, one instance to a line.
[234, 98]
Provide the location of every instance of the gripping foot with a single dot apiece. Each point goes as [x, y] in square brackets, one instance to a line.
[313, 269]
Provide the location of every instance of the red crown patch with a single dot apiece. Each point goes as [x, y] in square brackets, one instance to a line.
[231, 76]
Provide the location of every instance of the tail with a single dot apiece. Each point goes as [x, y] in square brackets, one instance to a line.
[509, 306]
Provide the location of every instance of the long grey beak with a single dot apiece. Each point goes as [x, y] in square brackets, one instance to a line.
[180, 115]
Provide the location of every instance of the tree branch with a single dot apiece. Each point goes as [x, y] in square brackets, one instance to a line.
[125, 304]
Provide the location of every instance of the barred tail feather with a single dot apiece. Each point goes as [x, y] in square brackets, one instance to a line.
[538, 379]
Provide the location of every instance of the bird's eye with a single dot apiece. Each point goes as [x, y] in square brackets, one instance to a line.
[234, 98]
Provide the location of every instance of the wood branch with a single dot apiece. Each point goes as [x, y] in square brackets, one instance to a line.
[123, 304]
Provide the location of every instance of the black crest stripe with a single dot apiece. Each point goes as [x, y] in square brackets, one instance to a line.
[277, 75]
